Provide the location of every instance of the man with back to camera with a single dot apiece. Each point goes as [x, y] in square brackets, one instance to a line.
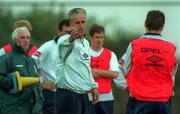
[150, 67]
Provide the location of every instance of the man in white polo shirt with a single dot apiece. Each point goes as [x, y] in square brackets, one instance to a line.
[45, 58]
[75, 80]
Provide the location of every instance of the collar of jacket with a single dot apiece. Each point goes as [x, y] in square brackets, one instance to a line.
[19, 49]
[148, 33]
[56, 38]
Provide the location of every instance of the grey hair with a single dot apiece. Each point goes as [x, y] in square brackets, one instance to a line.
[76, 11]
[17, 30]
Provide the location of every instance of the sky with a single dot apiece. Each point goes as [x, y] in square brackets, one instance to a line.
[128, 14]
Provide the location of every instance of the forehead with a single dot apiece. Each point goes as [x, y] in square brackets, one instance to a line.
[78, 17]
[24, 33]
[65, 27]
[99, 33]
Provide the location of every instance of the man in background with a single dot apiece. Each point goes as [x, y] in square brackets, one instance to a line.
[75, 80]
[30, 99]
[8, 47]
[45, 58]
[150, 67]
[105, 68]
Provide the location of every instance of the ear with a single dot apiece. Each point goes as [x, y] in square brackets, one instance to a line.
[90, 38]
[15, 40]
[58, 32]
[161, 29]
[145, 24]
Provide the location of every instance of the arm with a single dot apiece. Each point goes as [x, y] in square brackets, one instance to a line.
[112, 72]
[120, 81]
[40, 55]
[74, 34]
[5, 82]
[94, 85]
[173, 73]
[67, 40]
[104, 73]
[125, 66]
[2, 51]
[174, 70]
[95, 95]
[125, 61]
[48, 86]
[94, 90]
[64, 47]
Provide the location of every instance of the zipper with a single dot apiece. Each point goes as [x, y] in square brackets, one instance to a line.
[82, 42]
[26, 59]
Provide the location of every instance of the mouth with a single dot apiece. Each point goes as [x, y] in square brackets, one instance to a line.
[81, 31]
[26, 45]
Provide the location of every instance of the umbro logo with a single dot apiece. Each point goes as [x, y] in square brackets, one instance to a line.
[86, 56]
[154, 59]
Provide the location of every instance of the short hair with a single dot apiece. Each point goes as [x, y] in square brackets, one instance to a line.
[155, 20]
[23, 23]
[76, 11]
[17, 30]
[95, 28]
[62, 23]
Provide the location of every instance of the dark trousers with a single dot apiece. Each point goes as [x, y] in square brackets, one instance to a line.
[69, 102]
[105, 107]
[48, 106]
[144, 107]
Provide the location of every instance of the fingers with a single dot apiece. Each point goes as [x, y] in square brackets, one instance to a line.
[48, 86]
[74, 34]
[95, 95]
[95, 99]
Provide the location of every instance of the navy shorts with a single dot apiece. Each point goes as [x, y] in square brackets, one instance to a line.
[48, 106]
[69, 102]
[145, 107]
[105, 107]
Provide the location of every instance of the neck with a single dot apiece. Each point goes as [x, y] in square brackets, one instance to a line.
[97, 49]
[81, 37]
[153, 31]
[26, 50]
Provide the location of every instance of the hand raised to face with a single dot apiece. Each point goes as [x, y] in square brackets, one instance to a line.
[74, 34]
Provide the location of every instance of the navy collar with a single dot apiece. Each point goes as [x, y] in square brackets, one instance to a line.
[148, 33]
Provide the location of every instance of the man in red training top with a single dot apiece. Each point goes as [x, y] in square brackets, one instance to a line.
[150, 66]
[105, 68]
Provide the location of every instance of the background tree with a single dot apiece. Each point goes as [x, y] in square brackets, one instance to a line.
[44, 23]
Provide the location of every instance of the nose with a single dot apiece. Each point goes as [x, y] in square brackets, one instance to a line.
[27, 39]
[81, 25]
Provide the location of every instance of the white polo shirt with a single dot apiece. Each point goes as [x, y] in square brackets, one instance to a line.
[76, 75]
[46, 57]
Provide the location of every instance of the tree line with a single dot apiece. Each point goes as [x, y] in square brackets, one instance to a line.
[44, 23]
